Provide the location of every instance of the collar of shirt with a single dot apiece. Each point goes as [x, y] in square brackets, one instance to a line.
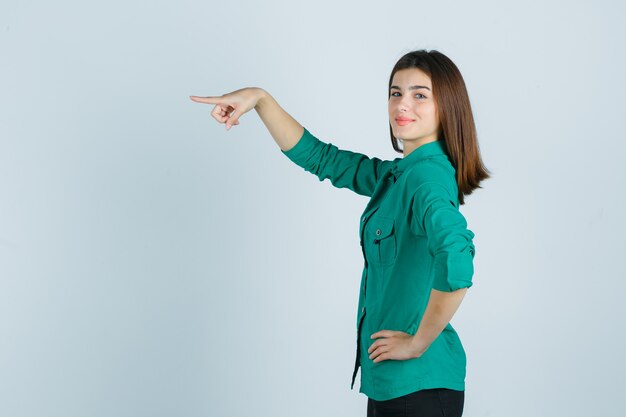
[422, 152]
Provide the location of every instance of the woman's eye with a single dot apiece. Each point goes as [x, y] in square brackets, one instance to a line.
[418, 94]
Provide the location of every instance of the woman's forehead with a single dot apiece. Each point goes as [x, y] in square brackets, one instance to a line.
[411, 77]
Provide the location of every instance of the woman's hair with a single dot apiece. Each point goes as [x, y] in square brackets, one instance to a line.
[457, 128]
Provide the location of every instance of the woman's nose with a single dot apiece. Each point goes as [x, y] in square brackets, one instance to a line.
[402, 106]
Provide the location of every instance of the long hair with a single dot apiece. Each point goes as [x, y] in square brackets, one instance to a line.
[456, 128]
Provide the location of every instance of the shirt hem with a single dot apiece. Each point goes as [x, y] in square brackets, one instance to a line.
[394, 392]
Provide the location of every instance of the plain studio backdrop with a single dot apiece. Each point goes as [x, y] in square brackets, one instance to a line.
[154, 264]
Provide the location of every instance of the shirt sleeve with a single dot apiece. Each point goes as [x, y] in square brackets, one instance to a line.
[449, 241]
[344, 168]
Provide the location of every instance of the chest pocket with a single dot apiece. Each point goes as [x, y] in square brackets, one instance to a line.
[381, 240]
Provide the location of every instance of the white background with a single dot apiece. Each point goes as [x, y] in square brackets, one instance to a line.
[154, 264]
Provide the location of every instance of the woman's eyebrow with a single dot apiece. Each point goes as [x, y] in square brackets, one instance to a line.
[413, 87]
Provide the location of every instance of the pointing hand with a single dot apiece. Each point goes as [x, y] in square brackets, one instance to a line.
[231, 106]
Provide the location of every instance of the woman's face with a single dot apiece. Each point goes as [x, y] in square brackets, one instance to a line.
[410, 97]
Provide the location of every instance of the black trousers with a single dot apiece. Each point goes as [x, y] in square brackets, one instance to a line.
[437, 402]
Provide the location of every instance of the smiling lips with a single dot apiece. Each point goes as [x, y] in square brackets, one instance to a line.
[403, 121]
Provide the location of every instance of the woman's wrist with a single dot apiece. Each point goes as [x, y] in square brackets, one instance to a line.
[417, 346]
[262, 95]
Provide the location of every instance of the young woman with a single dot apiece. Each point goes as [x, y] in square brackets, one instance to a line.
[418, 253]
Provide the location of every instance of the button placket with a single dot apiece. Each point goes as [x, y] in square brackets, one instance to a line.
[357, 363]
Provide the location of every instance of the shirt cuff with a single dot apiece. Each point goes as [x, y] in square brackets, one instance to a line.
[302, 149]
[453, 271]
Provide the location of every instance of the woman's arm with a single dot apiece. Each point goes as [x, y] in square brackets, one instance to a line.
[451, 246]
[450, 243]
[441, 307]
[344, 168]
[284, 129]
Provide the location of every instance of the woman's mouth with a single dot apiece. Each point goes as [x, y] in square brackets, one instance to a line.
[403, 122]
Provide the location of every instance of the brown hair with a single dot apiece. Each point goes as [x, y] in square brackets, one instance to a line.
[456, 127]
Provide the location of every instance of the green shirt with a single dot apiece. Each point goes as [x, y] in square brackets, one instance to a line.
[414, 239]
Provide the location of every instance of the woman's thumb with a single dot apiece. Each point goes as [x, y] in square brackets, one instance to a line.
[232, 120]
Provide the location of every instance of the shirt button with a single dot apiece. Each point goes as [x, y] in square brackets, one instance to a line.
[377, 232]
[363, 310]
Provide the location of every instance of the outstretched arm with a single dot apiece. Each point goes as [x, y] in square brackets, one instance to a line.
[344, 168]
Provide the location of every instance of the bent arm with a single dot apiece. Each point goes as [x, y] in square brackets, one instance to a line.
[450, 244]
[441, 307]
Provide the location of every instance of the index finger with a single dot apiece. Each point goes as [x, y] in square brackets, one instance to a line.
[208, 100]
